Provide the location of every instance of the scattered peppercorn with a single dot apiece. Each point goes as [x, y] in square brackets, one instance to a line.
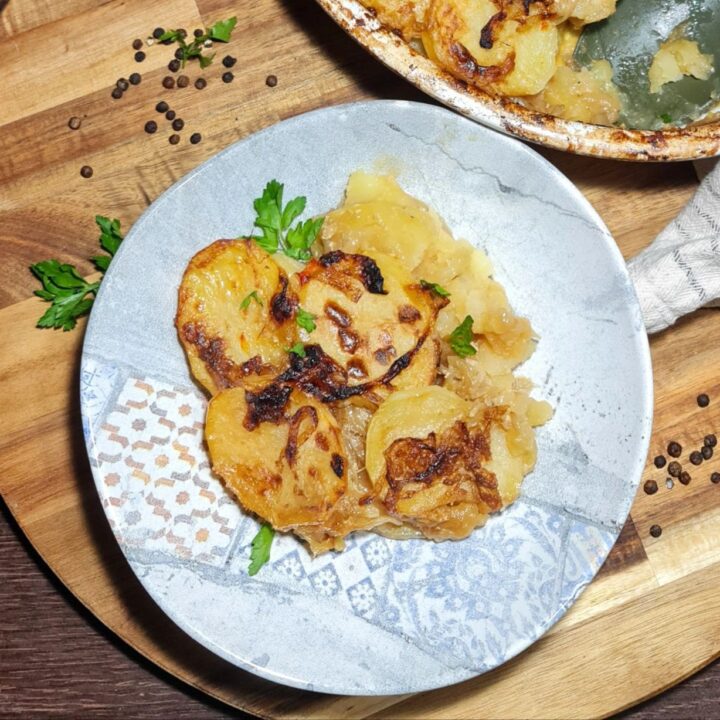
[208, 43]
[170, 115]
[703, 400]
[228, 77]
[178, 124]
[183, 81]
[228, 61]
[123, 84]
[715, 478]
[271, 80]
[168, 82]
[706, 451]
[656, 531]
[135, 78]
[179, 54]
[195, 138]
[674, 469]
[150, 126]
[674, 449]
[162, 106]
[158, 32]
[650, 487]
[86, 171]
[174, 65]
[660, 461]
[182, 32]
[137, 44]
[139, 56]
[200, 83]
[74, 123]
[198, 32]
[685, 477]
[669, 484]
[117, 93]
[710, 440]
[174, 139]
[695, 457]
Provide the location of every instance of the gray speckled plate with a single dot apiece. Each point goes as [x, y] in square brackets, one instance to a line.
[383, 617]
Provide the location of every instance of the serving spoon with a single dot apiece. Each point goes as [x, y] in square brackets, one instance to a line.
[630, 38]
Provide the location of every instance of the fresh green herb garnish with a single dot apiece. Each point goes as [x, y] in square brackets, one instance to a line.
[274, 221]
[70, 295]
[666, 118]
[219, 32]
[298, 348]
[305, 320]
[245, 304]
[439, 289]
[461, 338]
[260, 549]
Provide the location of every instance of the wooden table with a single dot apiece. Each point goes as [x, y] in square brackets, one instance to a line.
[60, 59]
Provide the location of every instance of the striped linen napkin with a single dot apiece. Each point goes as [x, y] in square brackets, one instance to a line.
[680, 271]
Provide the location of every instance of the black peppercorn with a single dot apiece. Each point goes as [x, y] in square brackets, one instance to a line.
[168, 82]
[271, 81]
[703, 400]
[123, 84]
[685, 477]
[117, 93]
[137, 44]
[228, 61]
[158, 32]
[195, 138]
[695, 457]
[170, 115]
[200, 83]
[135, 78]
[198, 32]
[650, 487]
[139, 56]
[706, 451]
[656, 531]
[183, 81]
[162, 106]
[228, 77]
[178, 124]
[182, 33]
[179, 54]
[660, 461]
[674, 449]
[150, 126]
[86, 171]
[715, 478]
[710, 440]
[74, 123]
[174, 65]
[174, 139]
[674, 469]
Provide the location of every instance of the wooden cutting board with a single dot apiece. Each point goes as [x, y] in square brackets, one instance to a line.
[651, 617]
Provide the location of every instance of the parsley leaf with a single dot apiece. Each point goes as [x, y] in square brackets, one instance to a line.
[274, 221]
[439, 289]
[222, 29]
[170, 36]
[305, 320]
[298, 348]
[245, 304]
[666, 118]
[70, 295]
[461, 337]
[205, 60]
[260, 549]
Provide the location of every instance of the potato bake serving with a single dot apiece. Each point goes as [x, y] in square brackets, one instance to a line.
[360, 368]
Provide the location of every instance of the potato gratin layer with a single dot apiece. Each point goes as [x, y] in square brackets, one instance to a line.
[377, 424]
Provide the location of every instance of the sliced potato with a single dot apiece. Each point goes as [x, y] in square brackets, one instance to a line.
[227, 333]
[406, 16]
[288, 466]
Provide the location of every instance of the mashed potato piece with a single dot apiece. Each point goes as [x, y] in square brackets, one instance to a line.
[676, 59]
[378, 424]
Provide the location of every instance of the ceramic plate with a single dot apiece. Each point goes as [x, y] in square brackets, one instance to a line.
[385, 616]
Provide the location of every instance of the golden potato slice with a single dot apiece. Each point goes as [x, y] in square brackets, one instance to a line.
[428, 454]
[405, 16]
[227, 333]
[281, 454]
[372, 319]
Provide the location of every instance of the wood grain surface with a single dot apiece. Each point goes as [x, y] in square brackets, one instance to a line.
[652, 616]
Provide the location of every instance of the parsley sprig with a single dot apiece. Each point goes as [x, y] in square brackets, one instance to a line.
[260, 548]
[305, 320]
[461, 338]
[219, 32]
[274, 221]
[297, 349]
[69, 294]
[245, 304]
[437, 289]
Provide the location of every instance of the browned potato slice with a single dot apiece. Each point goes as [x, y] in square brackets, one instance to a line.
[282, 455]
[406, 16]
[225, 338]
[371, 318]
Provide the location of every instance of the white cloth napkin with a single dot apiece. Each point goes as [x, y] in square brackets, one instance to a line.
[680, 271]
